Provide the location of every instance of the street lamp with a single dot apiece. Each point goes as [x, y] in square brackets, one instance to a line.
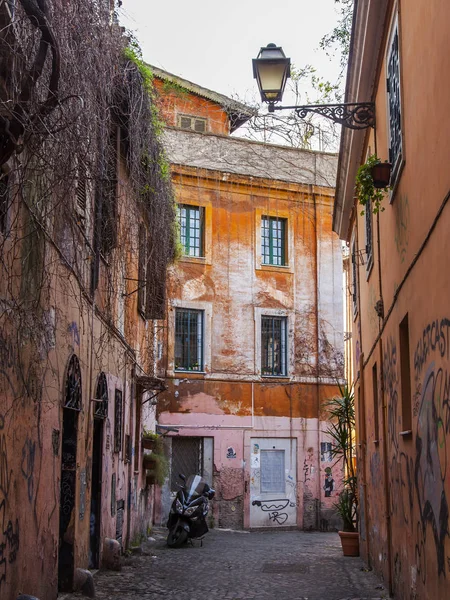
[271, 70]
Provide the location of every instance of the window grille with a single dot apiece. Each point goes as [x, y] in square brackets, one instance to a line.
[72, 397]
[191, 229]
[188, 340]
[101, 396]
[192, 123]
[4, 203]
[274, 345]
[394, 104]
[272, 472]
[187, 458]
[118, 419]
[273, 242]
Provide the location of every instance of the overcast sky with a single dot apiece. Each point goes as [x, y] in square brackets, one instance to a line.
[212, 43]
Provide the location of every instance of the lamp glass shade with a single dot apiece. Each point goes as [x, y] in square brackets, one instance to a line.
[271, 70]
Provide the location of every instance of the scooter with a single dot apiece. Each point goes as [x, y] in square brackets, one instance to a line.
[187, 517]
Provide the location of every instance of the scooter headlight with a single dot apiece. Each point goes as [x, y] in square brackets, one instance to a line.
[190, 511]
[179, 507]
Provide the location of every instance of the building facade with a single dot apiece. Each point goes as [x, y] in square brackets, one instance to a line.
[398, 308]
[77, 344]
[254, 321]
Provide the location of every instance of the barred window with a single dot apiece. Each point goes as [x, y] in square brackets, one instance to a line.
[273, 241]
[191, 229]
[394, 104]
[188, 340]
[274, 346]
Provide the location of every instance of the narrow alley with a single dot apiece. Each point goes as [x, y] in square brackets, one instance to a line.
[269, 565]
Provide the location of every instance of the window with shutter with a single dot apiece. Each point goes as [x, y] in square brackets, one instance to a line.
[186, 122]
[197, 124]
[200, 125]
[81, 196]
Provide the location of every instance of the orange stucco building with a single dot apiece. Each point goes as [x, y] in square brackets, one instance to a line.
[398, 286]
[253, 338]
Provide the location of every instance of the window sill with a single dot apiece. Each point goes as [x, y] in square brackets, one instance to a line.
[279, 268]
[276, 377]
[191, 373]
[194, 259]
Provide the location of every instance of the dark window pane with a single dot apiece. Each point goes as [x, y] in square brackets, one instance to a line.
[189, 340]
[273, 346]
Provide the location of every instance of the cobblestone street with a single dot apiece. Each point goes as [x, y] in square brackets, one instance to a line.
[275, 565]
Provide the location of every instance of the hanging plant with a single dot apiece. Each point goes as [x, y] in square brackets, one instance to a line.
[372, 182]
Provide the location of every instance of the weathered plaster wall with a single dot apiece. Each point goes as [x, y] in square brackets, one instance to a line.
[237, 182]
[407, 527]
[33, 386]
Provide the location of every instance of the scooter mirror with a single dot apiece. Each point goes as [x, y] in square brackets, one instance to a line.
[181, 476]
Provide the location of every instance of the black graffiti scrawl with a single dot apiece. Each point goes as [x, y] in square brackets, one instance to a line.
[431, 460]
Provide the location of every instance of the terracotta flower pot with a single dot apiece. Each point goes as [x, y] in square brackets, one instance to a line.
[149, 461]
[350, 542]
[148, 443]
[381, 174]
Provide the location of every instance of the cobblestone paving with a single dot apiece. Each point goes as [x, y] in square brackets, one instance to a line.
[274, 565]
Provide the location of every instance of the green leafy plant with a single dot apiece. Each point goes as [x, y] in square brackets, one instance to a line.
[365, 189]
[159, 469]
[341, 411]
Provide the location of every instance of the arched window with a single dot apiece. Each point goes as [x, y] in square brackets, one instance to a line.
[73, 384]
[101, 398]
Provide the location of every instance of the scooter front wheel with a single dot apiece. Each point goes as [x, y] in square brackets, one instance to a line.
[177, 536]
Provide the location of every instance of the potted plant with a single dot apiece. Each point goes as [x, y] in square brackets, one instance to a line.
[372, 182]
[341, 411]
[149, 439]
[157, 469]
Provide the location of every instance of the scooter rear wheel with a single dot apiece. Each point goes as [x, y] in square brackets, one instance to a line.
[177, 537]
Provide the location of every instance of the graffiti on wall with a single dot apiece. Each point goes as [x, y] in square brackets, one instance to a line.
[27, 465]
[274, 508]
[420, 477]
[328, 483]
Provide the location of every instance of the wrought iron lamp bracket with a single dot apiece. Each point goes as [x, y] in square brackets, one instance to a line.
[354, 115]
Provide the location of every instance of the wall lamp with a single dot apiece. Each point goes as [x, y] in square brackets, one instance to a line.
[272, 68]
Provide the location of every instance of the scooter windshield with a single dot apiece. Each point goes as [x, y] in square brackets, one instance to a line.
[195, 486]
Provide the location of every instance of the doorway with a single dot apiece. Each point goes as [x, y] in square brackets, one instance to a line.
[96, 496]
[100, 414]
[71, 408]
